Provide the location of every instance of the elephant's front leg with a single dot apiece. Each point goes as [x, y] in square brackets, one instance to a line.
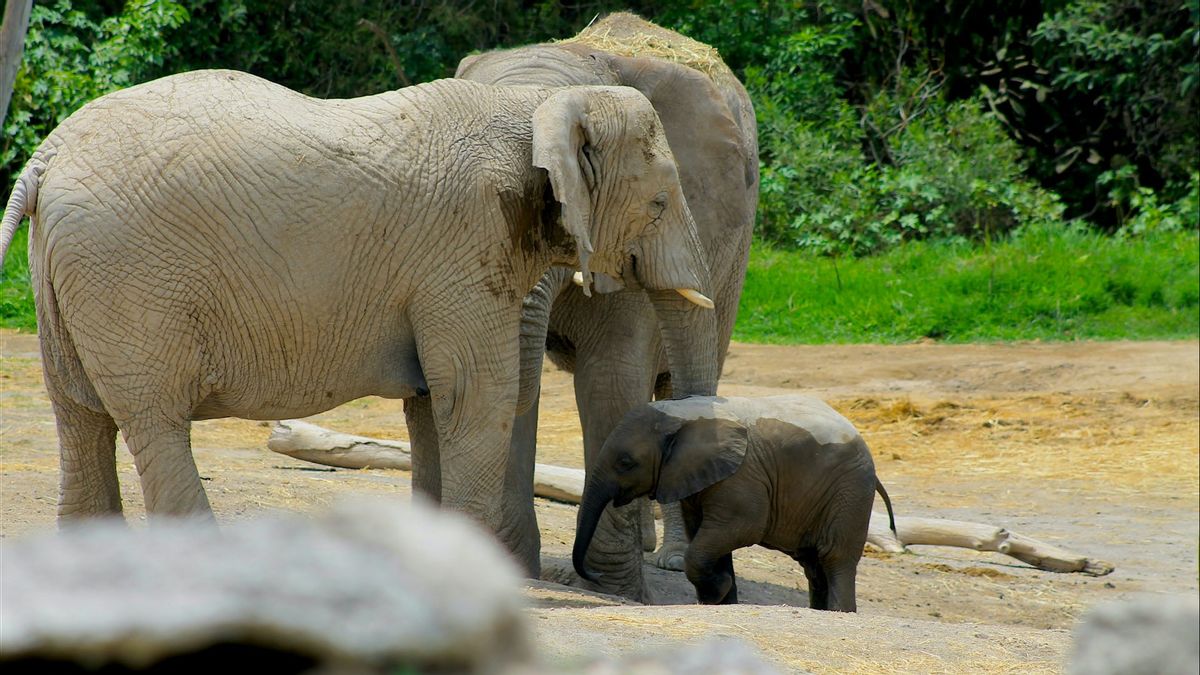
[670, 555]
[471, 368]
[715, 535]
[609, 381]
[709, 566]
[519, 530]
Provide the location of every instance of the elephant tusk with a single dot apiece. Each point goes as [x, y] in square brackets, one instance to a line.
[577, 278]
[696, 297]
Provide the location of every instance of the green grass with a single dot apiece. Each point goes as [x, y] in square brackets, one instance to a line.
[16, 295]
[1047, 284]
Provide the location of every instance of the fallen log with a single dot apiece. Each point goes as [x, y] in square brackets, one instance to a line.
[915, 531]
[311, 443]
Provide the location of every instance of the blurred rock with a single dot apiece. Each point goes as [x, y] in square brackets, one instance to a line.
[371, 585]
[719, 656]
[1153, 635]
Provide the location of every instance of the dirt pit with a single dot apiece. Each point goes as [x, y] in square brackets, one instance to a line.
[1090, 446]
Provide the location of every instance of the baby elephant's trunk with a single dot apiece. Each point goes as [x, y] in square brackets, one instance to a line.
[596, 496]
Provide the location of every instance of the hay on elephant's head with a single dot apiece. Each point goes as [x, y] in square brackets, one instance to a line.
[627, 34]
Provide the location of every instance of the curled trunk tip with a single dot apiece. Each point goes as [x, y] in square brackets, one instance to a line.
[596, 497]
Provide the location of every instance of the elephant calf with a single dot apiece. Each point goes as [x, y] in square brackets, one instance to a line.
[785, 472]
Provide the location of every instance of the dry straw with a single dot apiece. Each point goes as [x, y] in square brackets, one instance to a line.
[626, 34]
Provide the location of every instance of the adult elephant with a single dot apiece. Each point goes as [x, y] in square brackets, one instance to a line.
[214, 245]
[617, 344]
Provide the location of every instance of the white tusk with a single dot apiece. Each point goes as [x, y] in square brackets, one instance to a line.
[577, 278]
[696, 296]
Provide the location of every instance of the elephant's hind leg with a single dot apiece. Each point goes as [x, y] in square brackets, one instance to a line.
[611, 377]
[88, 483]
[818, 583]
[87, 433]
[841, 574]
[162, 453]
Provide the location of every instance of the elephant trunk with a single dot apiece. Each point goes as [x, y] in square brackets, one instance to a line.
[596, 496]
[689, 334]
[535, 320]
[674, 259]
[673, 276]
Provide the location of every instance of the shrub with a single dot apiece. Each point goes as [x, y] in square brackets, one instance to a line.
[71, 58]
[907, 164]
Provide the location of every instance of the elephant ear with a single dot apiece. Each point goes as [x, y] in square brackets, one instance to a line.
[465, 63]
[560, 146]
[707, 128]
[703, 452]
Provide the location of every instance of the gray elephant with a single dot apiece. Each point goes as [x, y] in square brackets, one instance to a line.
[619, 345]
[214, 245]
[785, 472]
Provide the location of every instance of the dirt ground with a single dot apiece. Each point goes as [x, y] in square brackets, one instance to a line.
[1090, 446]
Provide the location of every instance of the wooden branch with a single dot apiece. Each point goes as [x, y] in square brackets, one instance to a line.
[312, 443]
[319, 445]
[960, 534]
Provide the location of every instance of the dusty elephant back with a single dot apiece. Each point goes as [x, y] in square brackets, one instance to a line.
[811, 414]
[216, 133]
[709, 121]
[184, 215]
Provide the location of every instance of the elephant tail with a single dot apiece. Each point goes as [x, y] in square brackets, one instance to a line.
[887, 501]
[20, 203]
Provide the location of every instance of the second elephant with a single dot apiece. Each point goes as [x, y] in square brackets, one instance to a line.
[623, 348]
[785, 472]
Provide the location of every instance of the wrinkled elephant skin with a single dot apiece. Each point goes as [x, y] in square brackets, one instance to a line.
[627, 346]
[211, 244]
[786, 472]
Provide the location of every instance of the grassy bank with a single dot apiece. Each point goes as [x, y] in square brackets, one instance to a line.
[1056, 284]
[1048, 284]
[16, 296]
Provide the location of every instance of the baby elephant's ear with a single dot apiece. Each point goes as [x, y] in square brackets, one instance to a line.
[701, 453]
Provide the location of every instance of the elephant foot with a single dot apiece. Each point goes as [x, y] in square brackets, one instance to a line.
[670, 556]
[524, 544]
[560, 572]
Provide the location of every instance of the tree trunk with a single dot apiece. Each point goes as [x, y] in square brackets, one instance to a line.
[12, 44]
[312, 443]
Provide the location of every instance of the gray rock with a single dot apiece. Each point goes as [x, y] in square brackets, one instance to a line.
[372, 584]
[1153, 635]
[717, 656]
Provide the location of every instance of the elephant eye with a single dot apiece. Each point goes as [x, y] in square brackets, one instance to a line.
[625, 463]
[657, 207]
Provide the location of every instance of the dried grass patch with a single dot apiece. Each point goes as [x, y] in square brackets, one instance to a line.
[1126, 443]
[627, 34]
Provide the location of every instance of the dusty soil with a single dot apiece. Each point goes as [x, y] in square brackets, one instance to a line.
[1091, 446]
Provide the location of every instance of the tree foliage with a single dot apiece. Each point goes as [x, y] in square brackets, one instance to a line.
[880, 120]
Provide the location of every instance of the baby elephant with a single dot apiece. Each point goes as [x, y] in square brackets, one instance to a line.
[786, 472]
